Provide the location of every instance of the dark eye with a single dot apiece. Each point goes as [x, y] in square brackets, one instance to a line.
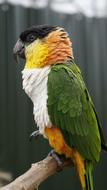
[30, 37]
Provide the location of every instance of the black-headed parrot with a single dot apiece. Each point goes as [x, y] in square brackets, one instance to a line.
[62, 107]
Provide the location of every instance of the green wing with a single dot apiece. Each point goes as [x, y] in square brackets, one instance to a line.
[71, 109]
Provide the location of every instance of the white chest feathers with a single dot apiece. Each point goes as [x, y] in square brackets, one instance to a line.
[35, 85]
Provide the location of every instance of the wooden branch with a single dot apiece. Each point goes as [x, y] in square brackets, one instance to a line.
[35, 175]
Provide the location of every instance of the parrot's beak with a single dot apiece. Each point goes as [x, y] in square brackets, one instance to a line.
[19, 50]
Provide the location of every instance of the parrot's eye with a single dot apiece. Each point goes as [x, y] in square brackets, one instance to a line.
[30, 38]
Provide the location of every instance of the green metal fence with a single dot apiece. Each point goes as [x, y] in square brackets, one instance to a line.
[89, 36]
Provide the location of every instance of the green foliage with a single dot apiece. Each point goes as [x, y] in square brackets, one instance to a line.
[71, 109]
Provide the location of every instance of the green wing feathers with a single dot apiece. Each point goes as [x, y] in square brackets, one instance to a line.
[71, 109]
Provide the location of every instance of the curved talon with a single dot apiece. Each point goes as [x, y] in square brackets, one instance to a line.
[59, 159]
[34, 134]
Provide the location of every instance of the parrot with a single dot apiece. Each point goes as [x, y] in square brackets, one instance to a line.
[62, 106]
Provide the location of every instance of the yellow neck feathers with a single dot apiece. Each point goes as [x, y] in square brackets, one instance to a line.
[53, 49]
[36, 55]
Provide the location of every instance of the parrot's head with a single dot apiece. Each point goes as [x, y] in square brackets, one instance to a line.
[43, 45]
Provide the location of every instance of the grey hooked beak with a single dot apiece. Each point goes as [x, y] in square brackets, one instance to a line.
[19, 50]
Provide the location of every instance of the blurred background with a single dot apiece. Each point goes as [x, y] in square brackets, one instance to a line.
[86, 22]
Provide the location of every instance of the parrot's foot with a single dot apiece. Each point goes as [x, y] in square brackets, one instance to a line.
[35, 135]
[59, 159]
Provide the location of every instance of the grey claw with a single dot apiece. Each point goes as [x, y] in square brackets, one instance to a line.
[58, 159]
[34, 135]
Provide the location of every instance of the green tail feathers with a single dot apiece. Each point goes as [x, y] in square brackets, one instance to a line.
[89, 176]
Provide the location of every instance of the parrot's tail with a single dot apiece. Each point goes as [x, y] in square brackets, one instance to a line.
[85, 170]
[89, 176]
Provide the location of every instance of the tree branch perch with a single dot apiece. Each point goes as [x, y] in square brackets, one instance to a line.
[35, 175]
